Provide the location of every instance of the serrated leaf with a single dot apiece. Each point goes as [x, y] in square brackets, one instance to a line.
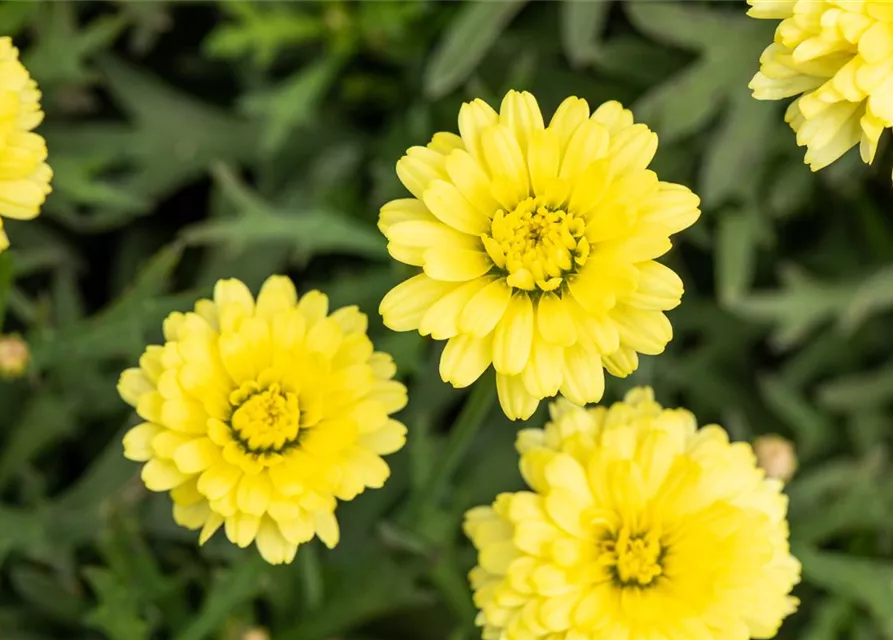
[43, 591]
[467, 40]
[873, 295]
[311, 232]
[857, 391]
[812, 429]
[117, 614]
[582, 22]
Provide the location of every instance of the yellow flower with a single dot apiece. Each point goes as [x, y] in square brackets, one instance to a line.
[537, 248]
[259, 414]
[837, 56]
[639, 526]
[24, 174]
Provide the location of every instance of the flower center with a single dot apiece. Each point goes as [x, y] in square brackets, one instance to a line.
[536, 244]
[634, 560]
[267, 420]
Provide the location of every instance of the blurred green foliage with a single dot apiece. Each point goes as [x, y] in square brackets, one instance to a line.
[194, 141]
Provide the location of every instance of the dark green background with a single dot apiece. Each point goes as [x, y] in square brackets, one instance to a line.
[194, 141]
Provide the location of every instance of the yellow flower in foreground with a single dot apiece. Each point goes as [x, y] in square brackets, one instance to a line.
[259, 414]
[24, 174]
[537, 248]
[639, 526]
[837, 55]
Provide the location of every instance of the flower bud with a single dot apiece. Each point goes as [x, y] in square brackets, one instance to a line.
[776, 456]
[14, 356]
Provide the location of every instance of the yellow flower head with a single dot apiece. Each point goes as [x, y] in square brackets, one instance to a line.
[24, 174]
[639, 526]
[537, 248]
[259, 414]
[837, 55]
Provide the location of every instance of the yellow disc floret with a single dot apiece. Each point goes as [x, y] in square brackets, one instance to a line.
[638, 525]
[260, 414]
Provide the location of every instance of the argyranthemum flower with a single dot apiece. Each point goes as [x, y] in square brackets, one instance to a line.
[837, 56]
[24, 174]
[259, 414]
[638, 526]
[537, 246]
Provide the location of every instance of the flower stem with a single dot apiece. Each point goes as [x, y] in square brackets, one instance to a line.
[459, 439]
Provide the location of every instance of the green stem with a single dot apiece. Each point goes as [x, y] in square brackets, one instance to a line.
[461, 435]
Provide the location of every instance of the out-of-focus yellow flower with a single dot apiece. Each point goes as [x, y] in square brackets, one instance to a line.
[639, 526]
[536, 246]
[24, 174]
[259, 414]
[837, 56]
[776, 456]
[14, 356]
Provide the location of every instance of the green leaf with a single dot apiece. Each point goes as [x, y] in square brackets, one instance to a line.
[44, 591]
[117, 614]
[6, 278]
[467, 40]
[310, 232]
[811, 428]
[864, 581]
[872, 296]
[736, 254]
[582, 22]
[858, 391]
[231, 588]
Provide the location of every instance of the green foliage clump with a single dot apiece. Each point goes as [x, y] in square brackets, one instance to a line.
[195, 141]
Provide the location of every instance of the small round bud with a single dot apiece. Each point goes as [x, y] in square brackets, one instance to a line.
[776, 456]
[14, 356]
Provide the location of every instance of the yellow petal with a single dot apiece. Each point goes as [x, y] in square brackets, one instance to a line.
[272, 545]
[422, 233]
[196, 455]
[622, 362]
[448, 205]
[277, 294]
[584, 378]
[419, 168]
[138, 441]
[589, 143]
[543, 373]
[472, 182]
[543, 159]
[464, 359]
[513, 336]
[569, 115]
[402, 210]
[521, 114]
[613, 116]
[442, 318]
[403, 306]
[554, 320]
[456, 265]
[132, 384]
[162, 475]
[647, 332]
[486, 308]
[474, 117]
[506, 160]
[326, 526]
[254, 493]
[515, 400]
[388, 438]
[659, 288]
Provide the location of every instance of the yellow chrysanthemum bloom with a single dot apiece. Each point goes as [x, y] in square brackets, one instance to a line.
[537, 248]
[24, 174]
[259, 414]
[639, 526]
[837, 55]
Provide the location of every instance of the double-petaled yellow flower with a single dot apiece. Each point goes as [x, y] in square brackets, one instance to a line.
[260, 414]
[638, 526]
[837, 56]
[536, 246]
[24, 174]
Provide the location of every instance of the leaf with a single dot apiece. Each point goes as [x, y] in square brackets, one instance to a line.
[47, 420]
[467, 40]
[872, 296]
[292, 103]
[231, 588]
[800, 306]
[117, 614]
[811, 428]
[735, 255]
[582, 22]
[865, 581]
[857, 391]
[6, 278]
[310, 232]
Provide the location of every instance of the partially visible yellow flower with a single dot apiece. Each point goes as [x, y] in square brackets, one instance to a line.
[260, 414]
[638, 526]
[14, 356]
[837, 56]
[537, 246]
[24, 174]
